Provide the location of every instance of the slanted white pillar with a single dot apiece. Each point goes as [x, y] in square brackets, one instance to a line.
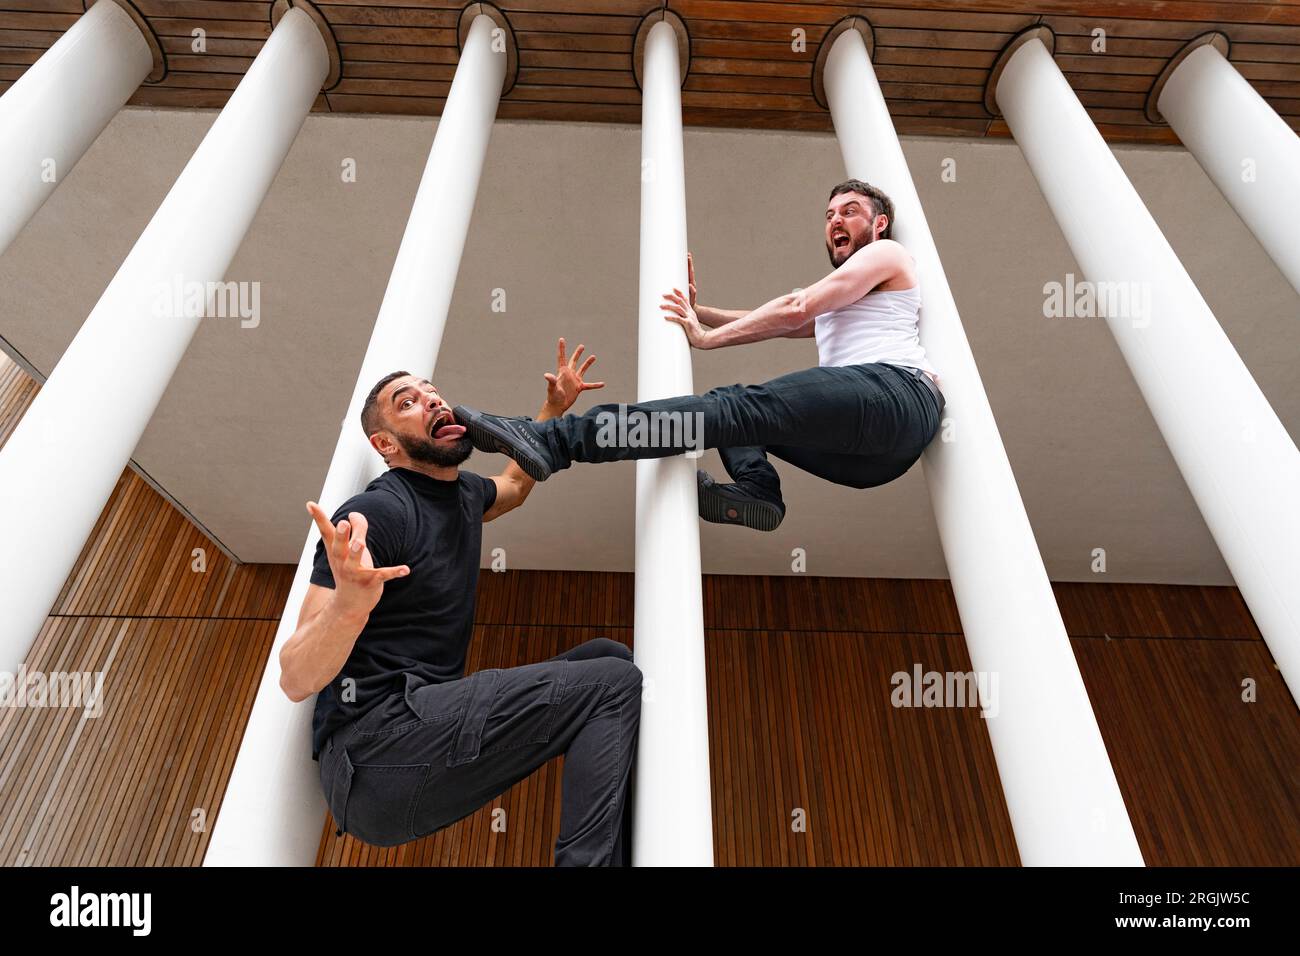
[273, 808]
[1064, 802]
[672, 803]
[54, 111]
[1244, 147]
[68, 451]
[1237, 459]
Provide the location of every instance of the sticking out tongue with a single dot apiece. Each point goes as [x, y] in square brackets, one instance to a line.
[449, 431]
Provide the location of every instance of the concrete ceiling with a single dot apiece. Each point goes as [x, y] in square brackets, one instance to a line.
[244, 433]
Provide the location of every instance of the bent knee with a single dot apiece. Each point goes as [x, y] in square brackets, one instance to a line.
[605, 647]
[622, 675]
[612, 670]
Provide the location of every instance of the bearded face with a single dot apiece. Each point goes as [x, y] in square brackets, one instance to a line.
[850, 225]
[443, 454]
[421, 423]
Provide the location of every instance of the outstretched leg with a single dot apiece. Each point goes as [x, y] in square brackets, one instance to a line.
[872, 410]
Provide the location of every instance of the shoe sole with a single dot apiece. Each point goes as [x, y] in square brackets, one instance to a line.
[486, 437]
[758, 515]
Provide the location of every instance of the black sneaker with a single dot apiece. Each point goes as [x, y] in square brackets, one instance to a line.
[513, 437]
[731, 504]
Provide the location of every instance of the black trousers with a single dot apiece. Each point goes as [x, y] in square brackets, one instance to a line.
[855, 425]
[423, 759]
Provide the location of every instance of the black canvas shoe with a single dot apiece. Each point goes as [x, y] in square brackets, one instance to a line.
[730, 504]
[510, 436]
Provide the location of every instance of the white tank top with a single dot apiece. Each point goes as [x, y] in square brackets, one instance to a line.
[879, 327]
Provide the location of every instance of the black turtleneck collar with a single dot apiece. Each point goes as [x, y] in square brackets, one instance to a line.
[427, 484]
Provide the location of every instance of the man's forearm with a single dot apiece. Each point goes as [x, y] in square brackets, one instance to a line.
[771, 320]
[319, 648]
[715, 317]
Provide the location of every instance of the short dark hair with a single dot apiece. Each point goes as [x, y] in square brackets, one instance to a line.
[880, 203]
[370, 408]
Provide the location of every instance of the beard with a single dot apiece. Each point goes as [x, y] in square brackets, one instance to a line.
[855, 243]
[440, 454]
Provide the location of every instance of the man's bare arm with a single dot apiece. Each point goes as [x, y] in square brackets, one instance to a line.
[331, 620]
[320, 645]
[791, 315]
[563, 387]
[714, 318]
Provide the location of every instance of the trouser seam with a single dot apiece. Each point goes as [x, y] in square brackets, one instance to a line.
[618, 772]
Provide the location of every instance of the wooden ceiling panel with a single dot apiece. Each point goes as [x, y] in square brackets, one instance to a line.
[932, 57]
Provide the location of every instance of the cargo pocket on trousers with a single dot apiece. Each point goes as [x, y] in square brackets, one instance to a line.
[522, 714]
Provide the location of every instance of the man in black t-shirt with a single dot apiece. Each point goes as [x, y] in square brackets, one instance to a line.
[408, 745]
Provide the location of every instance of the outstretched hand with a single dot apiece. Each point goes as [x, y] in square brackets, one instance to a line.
[565, 384]
[681, 311]
[358, 584]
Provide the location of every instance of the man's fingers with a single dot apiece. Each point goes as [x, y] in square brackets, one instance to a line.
[357, 540]
[550, 377]
[339, 546]
[559, 353]
[586, 365]
[322, 522]
[587, 385]
[576, 352]
[387, 574]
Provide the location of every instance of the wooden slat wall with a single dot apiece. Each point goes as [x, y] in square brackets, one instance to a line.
[799, 682]
[181, 652]
[798, 688]
[933, 57]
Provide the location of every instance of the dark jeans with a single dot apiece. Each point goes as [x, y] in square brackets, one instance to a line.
[855, 425]
[423, 759]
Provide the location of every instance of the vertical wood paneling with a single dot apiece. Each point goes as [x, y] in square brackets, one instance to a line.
[181, 652]
[800, 718]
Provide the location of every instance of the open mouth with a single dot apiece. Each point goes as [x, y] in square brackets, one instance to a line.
[445, 427]
[840, 241]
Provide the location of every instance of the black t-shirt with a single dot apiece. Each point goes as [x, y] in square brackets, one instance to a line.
[423, 621]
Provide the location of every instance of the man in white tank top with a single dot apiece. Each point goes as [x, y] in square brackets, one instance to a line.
[861, 418]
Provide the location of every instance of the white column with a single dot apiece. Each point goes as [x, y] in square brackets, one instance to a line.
[1237, 459]
[273, 807]
[68, 451]
[54, 111]
[1064, 802]
[673, 818]
[1243, 146]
